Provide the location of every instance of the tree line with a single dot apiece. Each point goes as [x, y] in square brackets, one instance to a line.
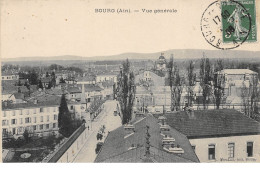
[211, 83]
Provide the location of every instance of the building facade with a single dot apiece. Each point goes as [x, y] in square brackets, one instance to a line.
[219, 135]
[34, 119]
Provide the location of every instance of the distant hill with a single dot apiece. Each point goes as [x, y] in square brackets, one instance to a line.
[177, 53]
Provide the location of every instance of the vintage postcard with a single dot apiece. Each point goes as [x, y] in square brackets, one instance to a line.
[129, 81]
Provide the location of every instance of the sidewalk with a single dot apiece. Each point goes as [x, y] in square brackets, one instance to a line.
[94, 129]
[111, 122]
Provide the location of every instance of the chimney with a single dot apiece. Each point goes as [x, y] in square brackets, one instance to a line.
[168, 141]
[190, 113]
[162, 120]
[129, 130]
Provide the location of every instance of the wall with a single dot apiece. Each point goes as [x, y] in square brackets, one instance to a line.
[221, 148]
[102, 78]
[70, 154]
[10, 77]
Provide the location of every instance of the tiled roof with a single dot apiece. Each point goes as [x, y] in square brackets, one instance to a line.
[116, 147]
[54, 91]
[9, 82]
[33, 87]
[91, 88]
[213, 123]
[9, 89]
[23, 89]
[9, 73]
[19, 95]
[74, 90]
[43, 101]
[108, 84]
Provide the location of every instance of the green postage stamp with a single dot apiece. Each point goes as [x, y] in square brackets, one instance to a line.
[238, 21]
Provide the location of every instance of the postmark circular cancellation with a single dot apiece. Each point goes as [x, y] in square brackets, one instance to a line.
[226, 24]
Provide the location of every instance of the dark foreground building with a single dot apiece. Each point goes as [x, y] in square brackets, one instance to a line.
[146, 140]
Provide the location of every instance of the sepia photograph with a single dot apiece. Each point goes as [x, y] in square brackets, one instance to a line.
[107, 81]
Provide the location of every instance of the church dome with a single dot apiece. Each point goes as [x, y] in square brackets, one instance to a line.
[162, 57]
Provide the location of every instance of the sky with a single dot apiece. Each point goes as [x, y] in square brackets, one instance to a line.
[71, 27]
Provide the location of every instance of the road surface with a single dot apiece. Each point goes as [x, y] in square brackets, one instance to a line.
[111, 122]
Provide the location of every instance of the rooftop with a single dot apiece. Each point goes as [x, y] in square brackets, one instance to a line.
[85, 78]
[116, 146]
[108, 83]
[43, 101]
[161, 57]
[237, 71]
[107, 74]
[73, 90]
[19, 95]
[213, 123]
[54, 91]
[91, 87]
[9, 89]
[9, 73]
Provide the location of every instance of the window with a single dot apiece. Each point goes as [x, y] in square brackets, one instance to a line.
[47, 126]
[5, 131]
[41, 118]
[4, 122]
[28, 120]
[13, 113]
[13, 121]
[35, 119]
[211, 152]
[249, 149]
[71, 107]
[34, 127]
[54, 125]
[41, 110]
[41, 126]
[231, 150]
[193, 147]
[34, 111]
[55, 117]
[21, 112]
[48, 118]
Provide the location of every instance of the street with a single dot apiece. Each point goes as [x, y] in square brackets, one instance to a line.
[111, 122]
